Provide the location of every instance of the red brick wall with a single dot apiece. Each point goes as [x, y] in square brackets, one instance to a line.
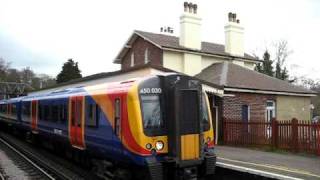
[232, 106]
[139, 47]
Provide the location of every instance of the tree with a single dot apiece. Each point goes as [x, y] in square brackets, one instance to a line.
[266, 66]
[315, 86]
[70, 70]
[27, 75]
[4, 66]
[281, 53]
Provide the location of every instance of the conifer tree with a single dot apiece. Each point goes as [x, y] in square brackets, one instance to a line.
[70, 70]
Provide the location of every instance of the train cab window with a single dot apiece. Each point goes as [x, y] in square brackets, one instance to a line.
[151, 110]
[117, 117]
[205, 114]
[93, 115]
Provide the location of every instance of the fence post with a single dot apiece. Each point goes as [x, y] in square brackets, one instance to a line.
[294, 134]
[274, 133]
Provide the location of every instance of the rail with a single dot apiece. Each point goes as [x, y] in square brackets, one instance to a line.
[28, 160]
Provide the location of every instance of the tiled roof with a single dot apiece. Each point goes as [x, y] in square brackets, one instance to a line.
[234, 76]
[173, 42]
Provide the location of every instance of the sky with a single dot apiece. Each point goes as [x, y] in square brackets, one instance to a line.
[43, 34]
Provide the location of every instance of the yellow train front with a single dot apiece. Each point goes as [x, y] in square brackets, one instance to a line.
[175, 126]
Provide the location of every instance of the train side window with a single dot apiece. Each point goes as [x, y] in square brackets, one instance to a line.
[93, 115]
[73, 112]
[40, 113]
[63, 113]
[79, 112]
[14, 110]
[55, 113]
[46, 113]
[117, 117]
[26, 109]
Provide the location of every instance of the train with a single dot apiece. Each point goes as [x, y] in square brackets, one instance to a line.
[155, 127]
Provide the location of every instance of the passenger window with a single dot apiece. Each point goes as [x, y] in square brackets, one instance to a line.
[73, 112]
[55, 113]
[40, 113]
[79, 112]
[46, 113]
[26, 109]
[117, 116]
[14, 110]
[93, 115]
[62, 113]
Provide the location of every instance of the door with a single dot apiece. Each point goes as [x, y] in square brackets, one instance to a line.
[270, 114]
[76, 122]
[118, 115]
[245, 117]
[189, 124]
[34, 116]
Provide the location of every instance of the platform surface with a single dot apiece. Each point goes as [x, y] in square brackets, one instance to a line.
[271, 164]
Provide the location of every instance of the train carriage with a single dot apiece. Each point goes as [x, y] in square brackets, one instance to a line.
[158, 124]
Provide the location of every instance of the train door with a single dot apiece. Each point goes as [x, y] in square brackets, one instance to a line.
[76, 122]
[118, 104]
[34, 117]
[189, 124]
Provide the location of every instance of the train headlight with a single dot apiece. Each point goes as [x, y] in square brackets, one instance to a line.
[159, 145]
[148, 146]
[208, 139]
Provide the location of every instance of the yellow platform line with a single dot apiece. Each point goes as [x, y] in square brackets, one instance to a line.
[297, 171]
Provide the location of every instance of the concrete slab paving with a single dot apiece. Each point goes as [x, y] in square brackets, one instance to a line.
[286, 164]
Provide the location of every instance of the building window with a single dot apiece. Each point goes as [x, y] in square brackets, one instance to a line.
[132, 60]
[245, 113]
[146, 56]
[270, 110]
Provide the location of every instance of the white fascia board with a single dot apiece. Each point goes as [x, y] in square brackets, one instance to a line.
[269, 92]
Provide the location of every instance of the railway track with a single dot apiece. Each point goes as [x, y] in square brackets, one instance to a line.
[39, 164]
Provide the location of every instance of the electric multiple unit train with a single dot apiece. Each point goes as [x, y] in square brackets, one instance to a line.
[159, 125]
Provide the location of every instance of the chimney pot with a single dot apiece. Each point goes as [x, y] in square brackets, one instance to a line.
[230, 15]
[238, 21]
[234, 17]
[185, 4]
[195, 8]
[190, 6]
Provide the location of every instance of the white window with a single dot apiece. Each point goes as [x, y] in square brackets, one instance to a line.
[132, 60]
[270, 110]
[146, 56]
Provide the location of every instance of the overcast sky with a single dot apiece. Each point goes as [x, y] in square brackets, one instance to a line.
[43, 34]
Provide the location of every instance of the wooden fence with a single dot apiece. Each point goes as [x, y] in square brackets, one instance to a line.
[292, 135]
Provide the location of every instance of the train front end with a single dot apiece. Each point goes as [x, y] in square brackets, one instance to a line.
[177, 127]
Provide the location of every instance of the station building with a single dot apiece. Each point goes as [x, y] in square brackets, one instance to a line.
[235, 90]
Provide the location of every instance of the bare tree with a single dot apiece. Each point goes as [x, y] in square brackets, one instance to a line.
[282, 52]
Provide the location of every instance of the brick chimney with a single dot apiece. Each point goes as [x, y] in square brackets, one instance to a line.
[190, 27]
[234, 33]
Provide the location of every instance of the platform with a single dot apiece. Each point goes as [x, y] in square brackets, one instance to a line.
[269, 164]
